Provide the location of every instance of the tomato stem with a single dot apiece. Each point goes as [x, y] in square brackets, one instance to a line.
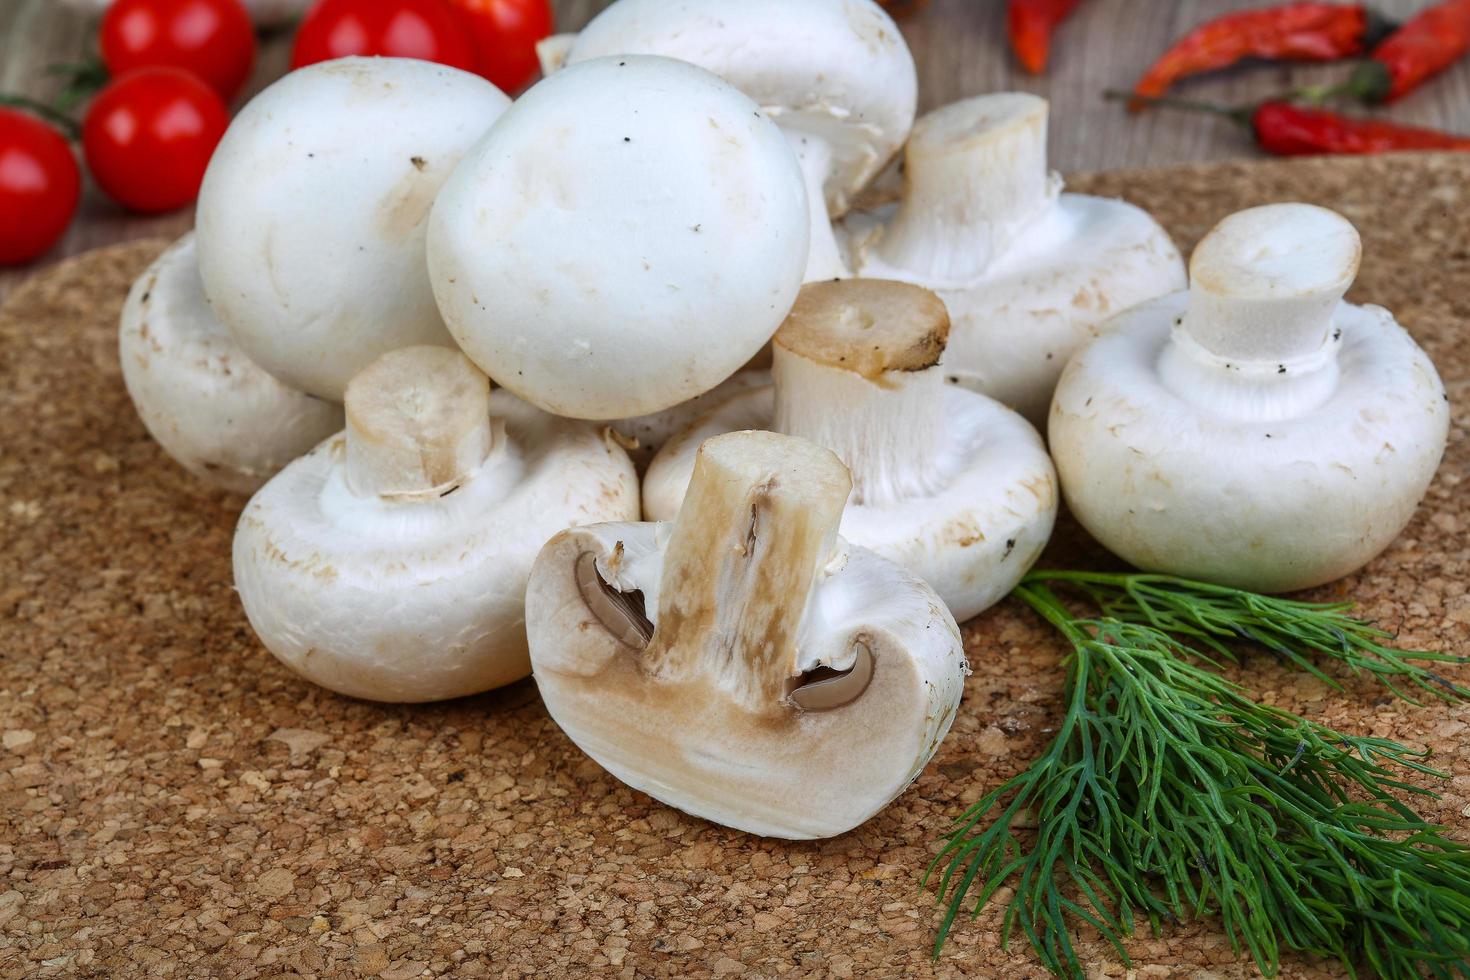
[49, 113]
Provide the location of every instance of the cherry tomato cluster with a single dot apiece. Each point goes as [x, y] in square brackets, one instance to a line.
[494, 38]
[147, 135]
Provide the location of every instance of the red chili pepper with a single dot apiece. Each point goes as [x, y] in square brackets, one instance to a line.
[1292, 130]
[1294, 32]
[1031, 24]
[1426, 45]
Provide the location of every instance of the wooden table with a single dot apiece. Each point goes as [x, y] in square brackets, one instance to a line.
[959, 45]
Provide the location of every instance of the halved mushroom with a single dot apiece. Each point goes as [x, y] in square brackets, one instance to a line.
[597, 252]
[391, 562]
[1028, 273]
[948, 483]
[1255, 430]
[313, 213]
[209, 406]
[726, 662]
[835, 75]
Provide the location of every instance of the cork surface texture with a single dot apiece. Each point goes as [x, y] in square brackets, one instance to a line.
[173, 802]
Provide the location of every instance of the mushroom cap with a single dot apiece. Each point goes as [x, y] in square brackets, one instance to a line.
[1179, 482]
[210, 407]
[1013, 328]
[404, 601]
[972, 539]
[790, 773]
[314, 208]
[836, 69]
[594, 253]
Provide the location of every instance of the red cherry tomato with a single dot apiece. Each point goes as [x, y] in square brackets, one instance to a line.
[40, 184]
[148, 137]
[504, 34]
[212, 38]
[424, 29]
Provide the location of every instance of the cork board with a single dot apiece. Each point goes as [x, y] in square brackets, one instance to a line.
[175, 803]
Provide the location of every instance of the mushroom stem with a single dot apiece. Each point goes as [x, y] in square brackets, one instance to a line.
[856, 369]
[974, 177]
[1264, 283]
[824, 258]
[418, 424]
[751, 541]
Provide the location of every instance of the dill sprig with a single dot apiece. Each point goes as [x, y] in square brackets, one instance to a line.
[1169, 793]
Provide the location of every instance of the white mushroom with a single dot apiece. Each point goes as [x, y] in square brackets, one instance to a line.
[209, 406]
[313, 212]
[1254, 431]
[628, 235]
[391, 562]
[1028, 273]
[744, 663]
[950, 484]
[835, 75]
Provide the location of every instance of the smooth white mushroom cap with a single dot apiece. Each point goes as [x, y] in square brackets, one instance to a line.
[210, 407]
[1029, 274]
[856, 369]
[313, 213]
[386, 577]
[1261, 473]
[836, 70]
[628, 235]
[775, 679]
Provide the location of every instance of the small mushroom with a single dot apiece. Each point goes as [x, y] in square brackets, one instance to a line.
[390, 563]
[1255, 430]
[744, 663]
[313, 212]
[835, 75]
[948, 483]
[596, 253]
[1028, 273]
[208, 405]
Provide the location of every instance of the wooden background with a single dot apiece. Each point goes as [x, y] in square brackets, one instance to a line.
[959, 46]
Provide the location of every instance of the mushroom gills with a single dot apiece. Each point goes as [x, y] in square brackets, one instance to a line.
[823, 688]
[620, 613]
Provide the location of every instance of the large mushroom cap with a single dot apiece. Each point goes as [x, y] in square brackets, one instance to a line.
[838, 70]
[1255, 430]
[391, 562]
[743, 664]
[211, 408]
[313, 212]
[628, 235]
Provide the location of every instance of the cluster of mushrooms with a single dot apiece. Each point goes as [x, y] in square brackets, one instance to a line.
[687, 243]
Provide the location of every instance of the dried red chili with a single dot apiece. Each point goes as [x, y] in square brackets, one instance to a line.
[1426, 45]
[1030, 24]
[1293, 32]
[1292, 130]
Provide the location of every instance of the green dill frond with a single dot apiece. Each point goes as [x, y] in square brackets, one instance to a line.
[1169, 793]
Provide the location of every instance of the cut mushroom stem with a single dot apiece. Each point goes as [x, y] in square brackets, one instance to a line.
[824, 259]
[856, 369]
[757, 527]
[418, 423]
[1265, 282]
[975, 176]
